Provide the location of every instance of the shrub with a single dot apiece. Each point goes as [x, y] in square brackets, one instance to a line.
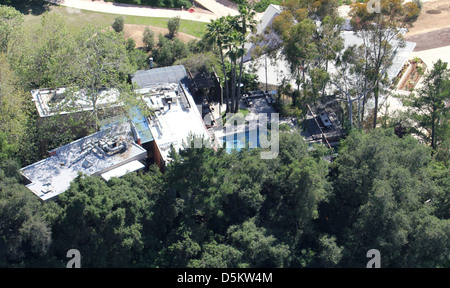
[118, 24]
[148, 39]
[173, 24]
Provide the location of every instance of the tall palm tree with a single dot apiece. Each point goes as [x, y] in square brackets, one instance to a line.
[217, 34]
[233, 53]
[245, 23]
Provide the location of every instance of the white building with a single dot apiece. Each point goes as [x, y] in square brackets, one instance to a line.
[175, 116]
[61, 101]
[275, 70]
[120, 147]
[109, 153]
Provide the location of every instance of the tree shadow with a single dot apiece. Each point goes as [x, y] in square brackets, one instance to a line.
[33, 7]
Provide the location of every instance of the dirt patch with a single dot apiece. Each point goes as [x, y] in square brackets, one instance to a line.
[137, 31]
[230, 4]
[431, 40]
[439, 17]
[433, 11]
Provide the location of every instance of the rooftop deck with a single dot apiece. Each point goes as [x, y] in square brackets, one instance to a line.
[50, 102]
[93, 155]
[176, 116]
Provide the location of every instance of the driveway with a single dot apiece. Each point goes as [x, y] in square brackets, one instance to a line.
[216, 9]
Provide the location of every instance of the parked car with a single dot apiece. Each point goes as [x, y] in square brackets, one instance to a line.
[270, 99]
[248, 101]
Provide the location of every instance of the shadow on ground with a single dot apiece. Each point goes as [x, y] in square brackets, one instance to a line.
[33, 7]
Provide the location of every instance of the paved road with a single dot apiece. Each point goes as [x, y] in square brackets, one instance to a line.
[217, 9]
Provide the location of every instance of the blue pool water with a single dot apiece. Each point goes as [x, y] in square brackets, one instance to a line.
[244, 141]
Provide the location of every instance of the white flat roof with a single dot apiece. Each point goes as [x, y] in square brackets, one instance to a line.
[50, 102]
[53, 175]
[122, 170]
[173, 125]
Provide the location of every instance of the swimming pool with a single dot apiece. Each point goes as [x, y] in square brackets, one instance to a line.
[248, 140]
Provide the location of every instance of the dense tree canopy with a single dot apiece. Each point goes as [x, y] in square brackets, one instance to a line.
[25, 235]
[219, 209]
[308, 207]
[10, 19]
[384, 189]
[12, 111]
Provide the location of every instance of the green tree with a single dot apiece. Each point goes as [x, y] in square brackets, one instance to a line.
[216, 34]
[352, 80]
[149, 39]
[25, 235]
[293, 192]
[118, 24]
[382, 188]
[12, 111]
[100, 61]
[137, 57]
[173, 25]
[215, 255]
[329, 40]
[179, 254]
[259, 248]
[10, 21]
[430, 248]
[223, 194]
[169, 51]
[296, 31]
[378, 30]
[108, 222]
[33, 7]
[229, 34]
[40, 58]
[204, 62]
[245, 24]
[234, 53]
[330, 253]
[429, 109]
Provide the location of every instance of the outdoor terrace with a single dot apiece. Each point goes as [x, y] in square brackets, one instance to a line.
[106, 151]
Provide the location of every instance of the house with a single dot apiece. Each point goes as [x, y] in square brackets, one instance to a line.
[269, 71]
[159, 76]
[174, 116]
[124, 142]
[265, 21]
[275, 71]
[400, 53]
[63, 101]
[174, 113]
[109, 153]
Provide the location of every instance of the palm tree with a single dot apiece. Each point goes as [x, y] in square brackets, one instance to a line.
[228, 33]
[245, 22]
[233, 53]
[217, 34]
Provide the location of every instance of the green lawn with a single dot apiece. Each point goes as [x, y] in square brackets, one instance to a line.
[193, 28]
[77, 18]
